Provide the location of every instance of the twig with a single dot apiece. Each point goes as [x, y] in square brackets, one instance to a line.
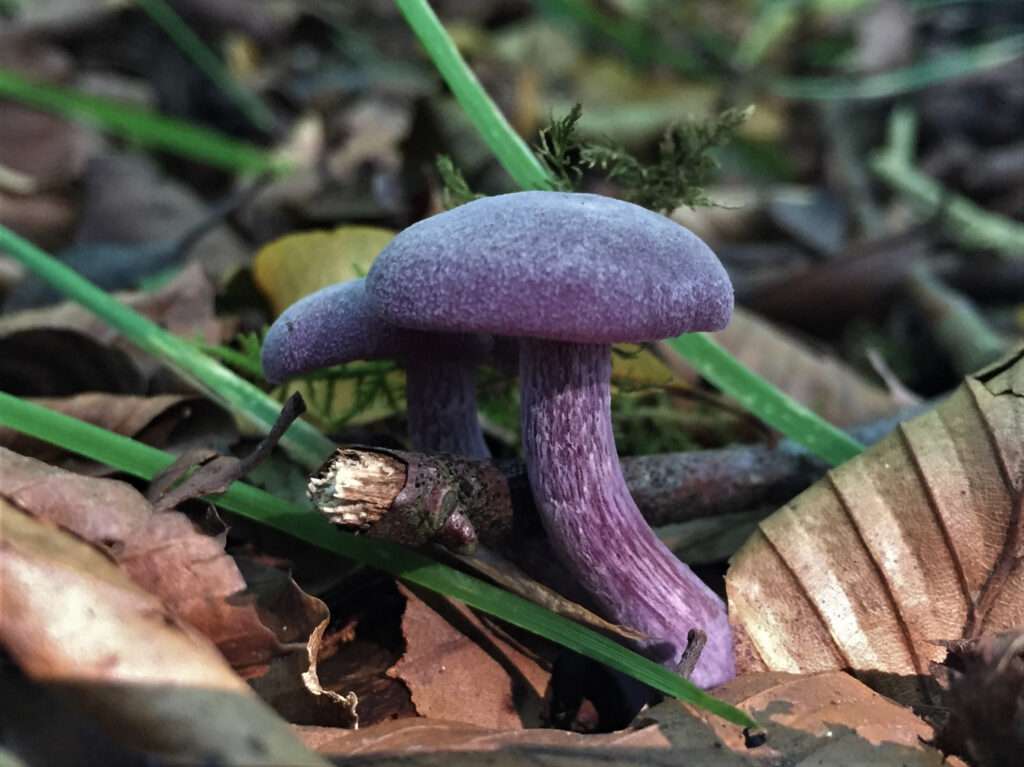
[416, 498]
[215, 473]
[696, 640]
[967, 223]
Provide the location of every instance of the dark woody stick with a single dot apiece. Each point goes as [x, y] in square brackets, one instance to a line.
[418, 498]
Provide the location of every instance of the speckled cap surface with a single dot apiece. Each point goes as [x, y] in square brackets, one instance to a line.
[563, 266]
[329, 327]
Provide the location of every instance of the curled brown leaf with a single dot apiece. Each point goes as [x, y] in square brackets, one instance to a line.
[76, 623]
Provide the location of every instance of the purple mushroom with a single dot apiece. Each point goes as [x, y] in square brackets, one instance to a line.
[569, 275]
[336, 325]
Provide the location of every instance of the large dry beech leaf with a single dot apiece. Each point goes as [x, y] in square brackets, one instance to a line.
[916, 540]
[820, 719]
[76, 623]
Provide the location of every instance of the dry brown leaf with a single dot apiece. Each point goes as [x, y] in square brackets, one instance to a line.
[48, 151]
[822, 297]
[60, 362]
[44, 16]
[291, 683]
[264, 22]
[362, 641]
[45, 218]
[164, 553]
[374, 131]
[257, 616]
[75, 622]
[822, 719]
[183, 306]
[40, 154]
[737, 213]
[449, 652]
[127, 199]
[918, 539]
[167, 420]
[813, 377]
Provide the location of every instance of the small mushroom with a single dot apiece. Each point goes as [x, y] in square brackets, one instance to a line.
[569, 275]
[336, 325]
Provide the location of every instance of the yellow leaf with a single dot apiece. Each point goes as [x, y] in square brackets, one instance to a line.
[637, 367]
[296, 265]
[331, 401]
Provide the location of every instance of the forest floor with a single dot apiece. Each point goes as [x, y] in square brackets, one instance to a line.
[856, 165]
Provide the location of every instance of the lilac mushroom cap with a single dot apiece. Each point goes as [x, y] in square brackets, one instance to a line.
[336, 325]
[569, 275]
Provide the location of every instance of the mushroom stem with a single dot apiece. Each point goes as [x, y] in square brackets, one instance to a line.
[441, 398]
[593, 522]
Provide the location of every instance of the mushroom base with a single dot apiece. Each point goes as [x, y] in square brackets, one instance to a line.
[593, 522]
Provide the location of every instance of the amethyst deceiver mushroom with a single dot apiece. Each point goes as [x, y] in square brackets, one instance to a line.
[336, 325]
[569, 275]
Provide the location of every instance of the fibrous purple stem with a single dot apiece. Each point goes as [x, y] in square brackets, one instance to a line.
[441, 399]
[593, 522]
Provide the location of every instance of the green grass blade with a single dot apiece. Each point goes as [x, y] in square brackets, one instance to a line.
[303, 442]
[714, 363]
[208, 63]
[760, 397]
[511, 151]
[141, 126]
[144, 461]
[937, 69]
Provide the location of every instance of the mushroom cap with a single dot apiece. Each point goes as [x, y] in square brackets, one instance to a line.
[563, 266]
[336, 324]
[329, 327]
